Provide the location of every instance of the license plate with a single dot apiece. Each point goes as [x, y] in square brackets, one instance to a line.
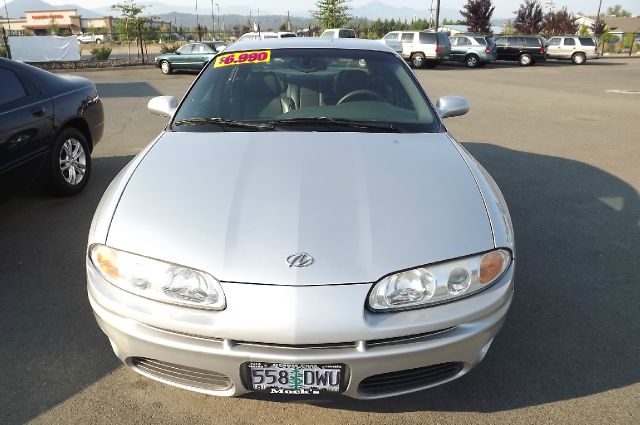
[284, 378]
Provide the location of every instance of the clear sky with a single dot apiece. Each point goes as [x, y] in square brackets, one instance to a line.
[504, 8]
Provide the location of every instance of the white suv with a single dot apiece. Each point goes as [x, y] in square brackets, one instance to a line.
[577, 49]
[421, 48]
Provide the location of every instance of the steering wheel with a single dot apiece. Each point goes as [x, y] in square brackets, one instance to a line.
[370, 94]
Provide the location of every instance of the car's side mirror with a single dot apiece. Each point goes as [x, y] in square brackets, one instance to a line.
[163, 105]
[452, 106]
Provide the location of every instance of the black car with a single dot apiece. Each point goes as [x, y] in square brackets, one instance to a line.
[49, 125]
[526, 49]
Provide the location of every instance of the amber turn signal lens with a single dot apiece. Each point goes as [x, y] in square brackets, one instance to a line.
[491, 266]
[107, 260]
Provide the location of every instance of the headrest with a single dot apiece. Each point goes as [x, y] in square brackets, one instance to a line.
[263, 84]
[349, 80]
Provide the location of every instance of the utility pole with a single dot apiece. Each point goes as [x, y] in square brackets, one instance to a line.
[213, 23]
[596, 25]
[218, 10]
[6, 40]
[437, 15]
[198, 23]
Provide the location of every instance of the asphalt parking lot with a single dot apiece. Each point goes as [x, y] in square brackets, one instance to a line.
[566, 154]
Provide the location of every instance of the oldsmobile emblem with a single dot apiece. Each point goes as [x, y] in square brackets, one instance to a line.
[300, 259]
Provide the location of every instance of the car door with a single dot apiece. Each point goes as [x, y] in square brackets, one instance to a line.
[26, 126]
[554, 47]
[407, 40]
[182, 58]
[459, 51]
[454, 48]
[568, 47]
[501, 48]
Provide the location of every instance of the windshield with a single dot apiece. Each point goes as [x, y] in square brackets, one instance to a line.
[306, 88]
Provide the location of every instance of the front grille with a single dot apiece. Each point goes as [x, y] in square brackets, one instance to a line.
[182, 375]
[409, 379]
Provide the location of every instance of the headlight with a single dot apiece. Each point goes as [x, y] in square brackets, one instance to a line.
[157, 280]
[438, 283]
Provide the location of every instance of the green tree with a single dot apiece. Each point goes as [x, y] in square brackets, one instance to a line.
[584, 30]
[132, 22]
[617, 10]
[332, 13]
[528, 18]
[53, 28]
[477, 15]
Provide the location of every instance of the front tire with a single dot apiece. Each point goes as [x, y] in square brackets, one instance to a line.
[472, 61]
[165, 67]
[579, 59]
[525, 59]
[98, 41]
[70, 163]
[418, 60]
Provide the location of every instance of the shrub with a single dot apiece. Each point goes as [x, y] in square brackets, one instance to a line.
[169, 48]
[101, 52]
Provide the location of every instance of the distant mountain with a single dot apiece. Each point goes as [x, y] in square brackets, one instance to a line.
[17, 8]
[204, 9]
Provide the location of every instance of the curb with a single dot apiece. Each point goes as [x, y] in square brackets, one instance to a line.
[109, 68]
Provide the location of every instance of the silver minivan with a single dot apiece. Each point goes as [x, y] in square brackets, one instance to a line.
[421, 48]
[574, 48]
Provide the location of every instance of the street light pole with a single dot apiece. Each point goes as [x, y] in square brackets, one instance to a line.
[218, 10]
[213, 25]
[198, 22]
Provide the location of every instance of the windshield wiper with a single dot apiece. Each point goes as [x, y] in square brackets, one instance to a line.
[375, 126]
[224, 123]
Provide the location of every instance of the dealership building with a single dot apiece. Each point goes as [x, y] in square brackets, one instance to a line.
[67, 22]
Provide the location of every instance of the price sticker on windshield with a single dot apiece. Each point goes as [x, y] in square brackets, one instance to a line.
[240, 58]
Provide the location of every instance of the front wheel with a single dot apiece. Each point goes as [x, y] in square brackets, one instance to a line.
[578, 59]
[98, 41]
[70, 163]
[165, 67]
[417, 60]
[525, 59]
[473, 61]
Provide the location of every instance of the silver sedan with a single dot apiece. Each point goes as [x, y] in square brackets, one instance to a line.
[303, 225]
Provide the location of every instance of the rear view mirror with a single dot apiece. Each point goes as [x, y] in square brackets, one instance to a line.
[452, 106]
[163, 105]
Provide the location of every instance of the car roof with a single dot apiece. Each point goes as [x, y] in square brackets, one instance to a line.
[310, 43]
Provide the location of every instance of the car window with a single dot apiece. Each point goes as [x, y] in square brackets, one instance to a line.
[501, 42]
[12, 87]
[554, 42]
[348, 84]
[347, 34]
[531, 42]
[186, 49]
[427, 38]
[481, 40]
[587, 41]
[392, 36]
[463, 41]
[569, 42]
[442, 38]
[200, 48]
[407, 37]
[327, 34]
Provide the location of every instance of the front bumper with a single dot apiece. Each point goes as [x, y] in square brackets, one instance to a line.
[463, 341]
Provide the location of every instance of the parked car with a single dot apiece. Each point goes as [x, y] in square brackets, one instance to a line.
[49, 125]
[525, 49]
[91, 38]
[575, 48]
[192, 56]
[304, 224]
[473, 50]
[264, 35]
[338, 33]
[421, 48]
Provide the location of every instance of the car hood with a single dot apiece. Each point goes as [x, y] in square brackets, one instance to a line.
[362, 204]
